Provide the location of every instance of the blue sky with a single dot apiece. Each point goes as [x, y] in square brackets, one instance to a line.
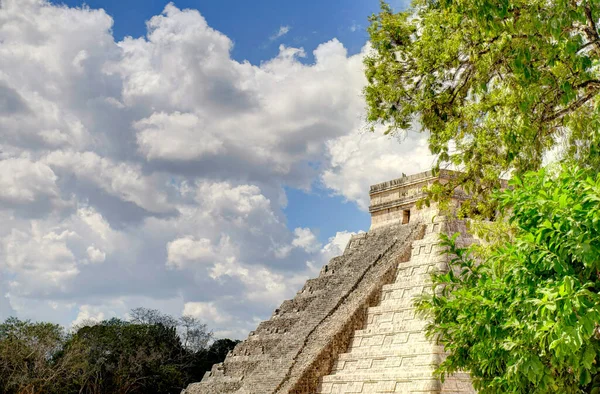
[253, 25]
[200, 157]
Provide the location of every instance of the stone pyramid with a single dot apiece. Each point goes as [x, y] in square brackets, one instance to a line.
[353, 329]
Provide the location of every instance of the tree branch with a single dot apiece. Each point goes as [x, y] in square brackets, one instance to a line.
[591, 31]
[577, 104]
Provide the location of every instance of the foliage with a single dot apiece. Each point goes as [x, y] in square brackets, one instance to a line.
[152, 353]
[193, 333]
[151, 316]
[27, 363]
[525, 320]
[494, 84]
[121, 357]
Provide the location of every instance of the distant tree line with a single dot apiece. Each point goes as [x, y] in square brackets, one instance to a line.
[151, 353]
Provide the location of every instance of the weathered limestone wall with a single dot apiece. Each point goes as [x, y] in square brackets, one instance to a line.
[301, 341]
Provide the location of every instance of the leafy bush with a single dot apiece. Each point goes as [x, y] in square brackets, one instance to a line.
[525, 318]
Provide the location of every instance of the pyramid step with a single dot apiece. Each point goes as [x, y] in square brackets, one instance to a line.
[426, 241]
[408, 310]
[406, 274]
[419, 281]
[386, 386]
[392, 315]
[233, 358]
[412, 351]
[425, 373]
[417, 386]
[351, 365]
[419, 265]
[386, 334]
[404, 296]
[415, 344]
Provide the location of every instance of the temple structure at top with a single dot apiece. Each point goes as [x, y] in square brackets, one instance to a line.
[394, 202]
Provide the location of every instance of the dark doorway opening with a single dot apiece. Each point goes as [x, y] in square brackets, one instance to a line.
[405, 216]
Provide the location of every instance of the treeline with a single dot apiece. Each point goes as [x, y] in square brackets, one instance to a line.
[151, 353]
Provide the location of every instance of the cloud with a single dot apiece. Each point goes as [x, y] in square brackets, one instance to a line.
[261, 284]
[362, 158]
[175, 137]
[88, 314]
[6, 309]
[306, 240]
[40, 258]
[95, 255]
[205, 311]
[23, 181]
[188, 249]
[11, 102]
[122, 180]
[337, 244]
[283, 30]
[151, 171]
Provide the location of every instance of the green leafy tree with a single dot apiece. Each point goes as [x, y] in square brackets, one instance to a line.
[28, 358]
[122, 357]
[152, 353]
[523, 316]
[495, 84]
[194, 335]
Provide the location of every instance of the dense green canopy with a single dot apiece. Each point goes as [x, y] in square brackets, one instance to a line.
[495, 84]
[523, 318]
[153, 353]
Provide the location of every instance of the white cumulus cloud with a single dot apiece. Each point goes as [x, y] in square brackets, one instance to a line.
[24, 181]
[151, 171]
[95, 255]
[175, 136]
[88, 314]
[188, 249]
[306, 239]
[363, 158]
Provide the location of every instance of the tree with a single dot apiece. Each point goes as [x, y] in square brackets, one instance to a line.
[194, 334]
[122, 357]
[495, 84]
[153, 353]
[28, 357]
[142, 315]
[523, 316]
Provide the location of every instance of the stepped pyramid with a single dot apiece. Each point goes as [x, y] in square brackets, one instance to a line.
[353, 329]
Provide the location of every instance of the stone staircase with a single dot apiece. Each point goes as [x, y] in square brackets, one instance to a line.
[290, 352]
[391, 353]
